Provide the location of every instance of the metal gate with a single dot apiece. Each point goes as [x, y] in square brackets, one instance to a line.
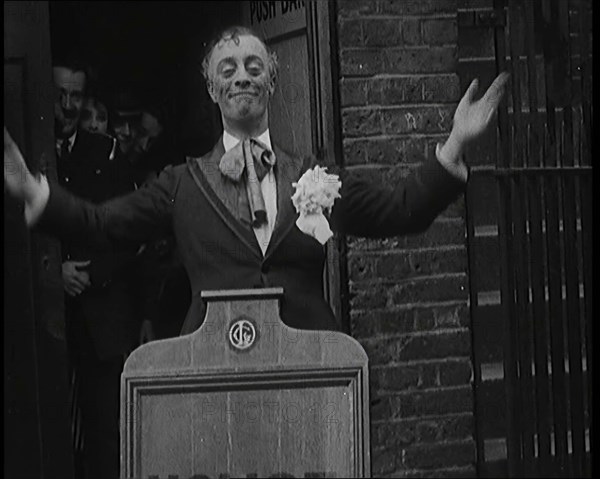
[529, 229]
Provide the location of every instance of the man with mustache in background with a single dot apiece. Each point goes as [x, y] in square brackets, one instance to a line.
[99, 306]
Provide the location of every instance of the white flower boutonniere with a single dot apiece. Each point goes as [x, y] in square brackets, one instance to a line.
[316, 191]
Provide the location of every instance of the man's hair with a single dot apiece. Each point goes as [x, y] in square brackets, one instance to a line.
[232, 34]
[73, 61]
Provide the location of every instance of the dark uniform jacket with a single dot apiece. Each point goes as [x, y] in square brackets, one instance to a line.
[89, 173]
[197, 204]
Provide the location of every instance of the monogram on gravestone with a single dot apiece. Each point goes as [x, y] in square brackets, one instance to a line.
[242, 333]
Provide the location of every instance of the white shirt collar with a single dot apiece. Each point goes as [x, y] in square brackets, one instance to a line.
[229, 141]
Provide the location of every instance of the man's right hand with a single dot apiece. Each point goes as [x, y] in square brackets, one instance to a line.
[16, 173]
[21, 184]
[75, 281]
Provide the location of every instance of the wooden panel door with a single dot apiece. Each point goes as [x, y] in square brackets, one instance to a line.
[283, 26]
[36, 421]
[302, 114]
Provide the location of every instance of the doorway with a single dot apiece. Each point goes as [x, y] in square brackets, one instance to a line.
[155, 49]
[158, 47]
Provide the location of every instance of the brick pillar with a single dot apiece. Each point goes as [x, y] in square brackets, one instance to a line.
[399, 88]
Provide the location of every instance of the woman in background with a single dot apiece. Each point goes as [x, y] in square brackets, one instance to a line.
[94, 116]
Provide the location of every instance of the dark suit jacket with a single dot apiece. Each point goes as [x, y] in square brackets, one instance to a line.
[107, 306]
[198, 204]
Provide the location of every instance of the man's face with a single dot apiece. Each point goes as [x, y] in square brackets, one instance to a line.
[70, 86]
[240, 81]
[147, 133]
[94, 117]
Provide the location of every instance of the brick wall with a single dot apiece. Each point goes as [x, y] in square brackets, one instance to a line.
[399, 87]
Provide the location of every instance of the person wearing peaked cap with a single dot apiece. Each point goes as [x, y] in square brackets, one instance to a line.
[124, 114]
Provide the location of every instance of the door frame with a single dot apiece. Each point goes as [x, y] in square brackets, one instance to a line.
[319, 29]
[327, 136]
[37, 433]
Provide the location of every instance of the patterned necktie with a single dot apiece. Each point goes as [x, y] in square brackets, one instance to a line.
[251, 160]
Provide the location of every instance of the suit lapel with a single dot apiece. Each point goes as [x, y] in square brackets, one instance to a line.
[222, 194]
[287, 171]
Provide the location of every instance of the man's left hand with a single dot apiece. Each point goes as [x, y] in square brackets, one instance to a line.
[472, 118]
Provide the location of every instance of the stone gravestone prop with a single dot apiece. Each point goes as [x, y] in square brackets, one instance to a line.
[246, 396]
